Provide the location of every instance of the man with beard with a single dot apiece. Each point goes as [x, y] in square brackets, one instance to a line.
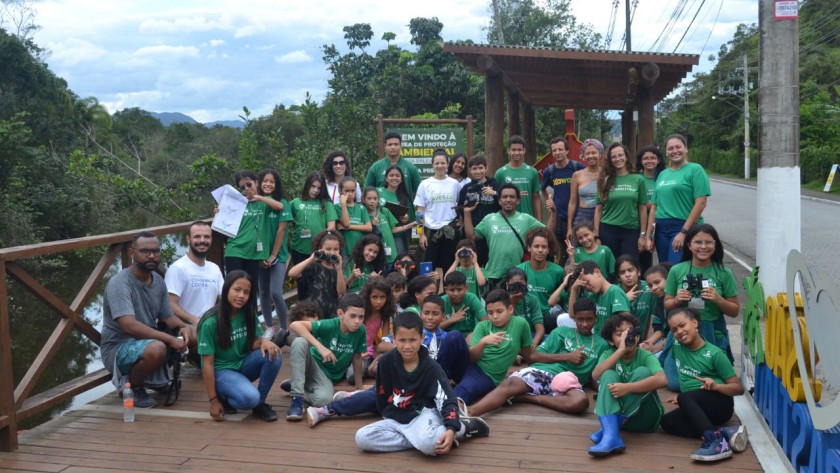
[504, 232]
[194, 284]
[133, 349]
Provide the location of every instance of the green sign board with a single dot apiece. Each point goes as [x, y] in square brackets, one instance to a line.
[418, 144]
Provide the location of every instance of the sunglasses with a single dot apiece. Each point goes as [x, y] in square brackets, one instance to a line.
[247, 185]
[148, 251]
[339, 163]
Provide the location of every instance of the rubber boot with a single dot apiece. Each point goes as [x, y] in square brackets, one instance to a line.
[611, 439]
[595, 437]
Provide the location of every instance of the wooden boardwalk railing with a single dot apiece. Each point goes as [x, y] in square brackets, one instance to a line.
[16, 402]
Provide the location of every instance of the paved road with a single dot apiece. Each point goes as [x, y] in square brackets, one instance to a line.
[732, 209]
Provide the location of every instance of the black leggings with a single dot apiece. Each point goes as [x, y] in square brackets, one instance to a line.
[699, 412]
[622, 241]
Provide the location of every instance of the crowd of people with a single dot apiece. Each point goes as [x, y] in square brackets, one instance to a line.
[575, 302]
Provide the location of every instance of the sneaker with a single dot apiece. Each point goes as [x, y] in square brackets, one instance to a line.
[462, 409]
[286, 385]
[475, 427]
[264, 412]
[339, 395]
[715, 447]
[142, 399]
[737, 437]
[317, 414]
[281, 338]
[295, 411]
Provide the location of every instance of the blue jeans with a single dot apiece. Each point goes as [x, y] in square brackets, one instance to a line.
[360, 403]
[236, 386]
[271, 289]
[666, 230]
[474, 385]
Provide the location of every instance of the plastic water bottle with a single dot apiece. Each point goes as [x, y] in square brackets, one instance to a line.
[420, 222]
[128, 403]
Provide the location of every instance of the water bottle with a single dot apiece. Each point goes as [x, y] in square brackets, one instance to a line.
[182, 357]
[420, 216]
[128, 403]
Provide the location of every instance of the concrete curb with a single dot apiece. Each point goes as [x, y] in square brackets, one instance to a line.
[749, 186]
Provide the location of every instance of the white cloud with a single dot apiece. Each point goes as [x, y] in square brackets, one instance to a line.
[74, 51]
[154, 26]
[164, 50]
[216, 42]
[293, 57]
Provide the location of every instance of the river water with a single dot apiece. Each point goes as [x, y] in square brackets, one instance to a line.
[32, 322]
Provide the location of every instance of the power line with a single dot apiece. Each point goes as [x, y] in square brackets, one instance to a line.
[611, 27]
[712, 29]
[689, 25]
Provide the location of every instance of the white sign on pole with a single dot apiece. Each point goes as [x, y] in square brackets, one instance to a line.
[830, 178]
[786, 9]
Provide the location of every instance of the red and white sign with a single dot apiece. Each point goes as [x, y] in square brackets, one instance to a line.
[786, 9]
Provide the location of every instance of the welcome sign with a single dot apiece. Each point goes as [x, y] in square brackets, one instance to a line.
[802, 344]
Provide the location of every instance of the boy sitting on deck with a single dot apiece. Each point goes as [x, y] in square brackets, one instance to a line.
[565, 351]
[322, 352]
[414, 397]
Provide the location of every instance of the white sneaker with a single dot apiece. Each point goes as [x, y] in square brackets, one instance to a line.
[339, 395]
[316, 415]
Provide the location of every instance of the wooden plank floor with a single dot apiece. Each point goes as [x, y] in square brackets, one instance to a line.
[184, 438]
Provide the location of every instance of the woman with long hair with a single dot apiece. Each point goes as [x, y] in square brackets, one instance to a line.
[651, 165]
[336, 167]
[584, 188]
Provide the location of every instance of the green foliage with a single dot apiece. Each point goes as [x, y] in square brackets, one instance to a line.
[549, 23]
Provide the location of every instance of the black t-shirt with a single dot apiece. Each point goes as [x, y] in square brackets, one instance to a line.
[487, 204]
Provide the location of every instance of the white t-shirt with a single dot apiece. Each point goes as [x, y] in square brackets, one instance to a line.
[197, 286]
[334, 194]
[438, 197]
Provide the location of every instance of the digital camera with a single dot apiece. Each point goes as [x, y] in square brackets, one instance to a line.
[695, 283]
[632, 337]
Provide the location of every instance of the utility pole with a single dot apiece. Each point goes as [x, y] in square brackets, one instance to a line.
[746, 119]
[779, 210]
[627, 24]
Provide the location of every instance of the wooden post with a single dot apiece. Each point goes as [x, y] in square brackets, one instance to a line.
[380, 136]
[494, 121]
[470, 131]
[646, 120]
[514, 119]
[628, 129]
[530, 133]
[8, 418]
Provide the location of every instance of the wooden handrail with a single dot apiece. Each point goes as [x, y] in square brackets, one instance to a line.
[15, 401]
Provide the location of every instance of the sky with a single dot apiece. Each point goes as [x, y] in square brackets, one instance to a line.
[210, 58]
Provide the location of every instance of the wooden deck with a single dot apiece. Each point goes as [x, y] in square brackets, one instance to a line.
[184, 438]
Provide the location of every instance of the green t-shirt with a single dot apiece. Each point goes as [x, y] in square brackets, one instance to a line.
[543, 283]
[642, 306]
[274, 219]
[676, 190]
[475, 312]
[411, 176]
[530, 310]
[719, 277]
[708, 361]
[602, 256]
[229, 358]
[309, 217]
[357, 285]
[526, 179]
[566, 340]
[606, 304]
[358, 216]
[650, 185]
[343, 346]
[387, 222]
[251, 241]
[472, 280]
[387, 196]
[505, 249]
[497, 359]
[624, 369]
[623, 200]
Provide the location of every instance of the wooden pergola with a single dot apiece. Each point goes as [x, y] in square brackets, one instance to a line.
[569, 78]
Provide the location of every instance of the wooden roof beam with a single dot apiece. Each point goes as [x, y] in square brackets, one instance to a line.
[488, 66]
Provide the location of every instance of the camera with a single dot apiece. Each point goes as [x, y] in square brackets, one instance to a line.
[407, 265]
[632, 337]
[324, 256]
[517, 288]
[695, 283]
[464, 253]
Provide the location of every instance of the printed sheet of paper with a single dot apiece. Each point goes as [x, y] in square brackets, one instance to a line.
[231, 209]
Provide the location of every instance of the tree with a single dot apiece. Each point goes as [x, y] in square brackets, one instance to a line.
[526, 23]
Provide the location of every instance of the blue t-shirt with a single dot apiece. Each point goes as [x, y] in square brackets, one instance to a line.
[560, 179]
